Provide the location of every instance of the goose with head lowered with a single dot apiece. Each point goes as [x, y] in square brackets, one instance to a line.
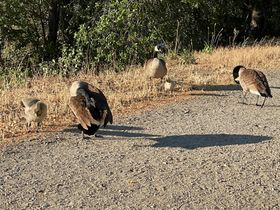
[35, 111]
[253, 81]
[90, 107]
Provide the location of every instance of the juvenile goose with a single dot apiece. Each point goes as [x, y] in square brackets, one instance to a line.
[156, 67]
[90, 107]
[35, 111]
[252, 81]
[169, 84]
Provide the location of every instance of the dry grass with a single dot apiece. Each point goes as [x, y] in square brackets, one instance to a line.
[129, 91]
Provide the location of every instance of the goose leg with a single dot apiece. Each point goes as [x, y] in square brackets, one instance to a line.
[244, 97]
[83, 135]
[28, 124]
[263, 102]
[98, 136]
[38, 127]
[257, 101]
[161, 84]
[150, 83]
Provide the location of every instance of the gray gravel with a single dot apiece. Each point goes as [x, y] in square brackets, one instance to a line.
[207, 152]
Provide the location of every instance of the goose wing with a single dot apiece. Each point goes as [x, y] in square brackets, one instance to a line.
[251, 77]
[148, 62]
[264, 81]
[38, 108]
[109, 117]
[28, 102]
[257, 79]
[101, 104]
[78, 106]
[262, 78]
[163, 62]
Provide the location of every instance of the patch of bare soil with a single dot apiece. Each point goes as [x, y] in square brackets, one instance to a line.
[208, 153]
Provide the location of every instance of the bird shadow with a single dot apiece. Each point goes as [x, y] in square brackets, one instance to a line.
[123, 127]
[115, 130]
[207, 140]
[251, 104]
[216, 87]
[273, 87]
[207, 94]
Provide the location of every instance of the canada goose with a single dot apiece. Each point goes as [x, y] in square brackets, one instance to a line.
[35, 111]
[252, 81]
[90, 107]
[156, 67]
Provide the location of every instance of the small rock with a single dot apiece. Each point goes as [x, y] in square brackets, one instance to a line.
[45, 206]
[71, 204]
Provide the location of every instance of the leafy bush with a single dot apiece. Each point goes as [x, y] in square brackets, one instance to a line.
[117, 38]
[63, 37]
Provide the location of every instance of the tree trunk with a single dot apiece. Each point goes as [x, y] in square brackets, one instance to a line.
[1, 59]
[53, 25]
[258, 23]
[66, 13]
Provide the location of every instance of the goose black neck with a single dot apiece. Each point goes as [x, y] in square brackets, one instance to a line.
[155, 54]
[84, 93]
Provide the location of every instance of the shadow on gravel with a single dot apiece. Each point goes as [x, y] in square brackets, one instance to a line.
[115, 130]
[273, 87]
[216, 87]
[207, 94]
[123, 127]
[207, 140]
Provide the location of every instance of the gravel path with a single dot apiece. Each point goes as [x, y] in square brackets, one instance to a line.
[207, 152]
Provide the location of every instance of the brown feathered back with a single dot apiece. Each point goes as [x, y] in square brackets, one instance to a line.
[80, 110]
[255, 82]
[89, 105]
[101, 103]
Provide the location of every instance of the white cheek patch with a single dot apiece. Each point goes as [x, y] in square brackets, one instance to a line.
[255, 92]
[156, 49]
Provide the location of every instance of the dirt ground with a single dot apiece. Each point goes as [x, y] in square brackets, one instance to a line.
[207, 152]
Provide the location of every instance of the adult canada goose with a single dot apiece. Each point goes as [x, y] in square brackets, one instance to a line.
[156, 67]
[252, 81]
[35, 111]
[90, 107]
